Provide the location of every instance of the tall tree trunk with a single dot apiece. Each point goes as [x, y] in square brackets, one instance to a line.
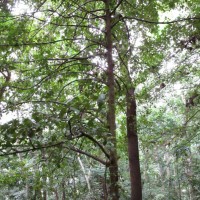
[133, 150]
[113, 167]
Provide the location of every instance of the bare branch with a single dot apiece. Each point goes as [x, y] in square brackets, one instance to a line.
[31, 149]
[88, 154]
[56, 145]
[167, 22]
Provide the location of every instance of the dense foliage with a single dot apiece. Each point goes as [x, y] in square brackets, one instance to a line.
[64, 100]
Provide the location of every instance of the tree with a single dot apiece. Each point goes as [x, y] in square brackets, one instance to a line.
[76, 65]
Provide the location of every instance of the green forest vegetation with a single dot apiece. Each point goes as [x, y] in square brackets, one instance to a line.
[99, 100]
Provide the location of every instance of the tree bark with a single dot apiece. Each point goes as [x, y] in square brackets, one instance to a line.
[113, 167]
[133, 150]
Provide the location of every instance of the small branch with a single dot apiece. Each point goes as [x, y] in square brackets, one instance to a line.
[7, 80]
[36, 43]
[40, 101]
[119, 3]
[76, 80]
[188, 120]
[85, 175]
[167, 22]
[48, 42]
[31, 149]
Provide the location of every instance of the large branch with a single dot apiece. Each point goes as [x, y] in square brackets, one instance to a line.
[96, 142]
[56, 145]
[83, 134]
[88, 154]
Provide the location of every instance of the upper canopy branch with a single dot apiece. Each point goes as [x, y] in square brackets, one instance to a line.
[167, 22]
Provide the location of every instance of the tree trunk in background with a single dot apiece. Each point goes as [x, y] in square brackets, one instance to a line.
[44, 191]
[56, 194]
[29, 190]
[133, 149]
[193, 192]
[63, 190]
[113, 167]
[44, 194]
[167, 158]
[177, 175]
[38, 194]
